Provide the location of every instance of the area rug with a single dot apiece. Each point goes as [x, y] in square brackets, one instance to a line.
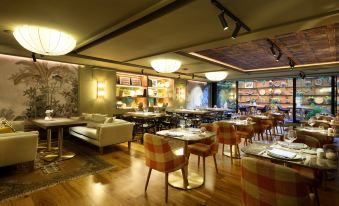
[23, 179]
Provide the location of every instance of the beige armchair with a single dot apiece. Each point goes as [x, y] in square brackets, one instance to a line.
[18, 147]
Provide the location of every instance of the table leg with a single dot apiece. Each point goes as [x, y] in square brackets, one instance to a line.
[60, 155]
[234, 152]
[194, 180]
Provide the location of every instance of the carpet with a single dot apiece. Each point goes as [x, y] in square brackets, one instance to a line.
[23, 179]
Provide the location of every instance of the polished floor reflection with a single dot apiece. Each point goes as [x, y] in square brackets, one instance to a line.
[124, 185]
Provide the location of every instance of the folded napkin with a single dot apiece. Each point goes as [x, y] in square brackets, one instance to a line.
[282, 153]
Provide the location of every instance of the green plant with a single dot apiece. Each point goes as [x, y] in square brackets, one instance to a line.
[314, 111]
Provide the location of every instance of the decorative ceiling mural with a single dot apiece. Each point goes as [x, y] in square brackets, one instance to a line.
[316, 45]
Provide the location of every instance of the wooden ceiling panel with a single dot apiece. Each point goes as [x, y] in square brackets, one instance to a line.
[315, 45]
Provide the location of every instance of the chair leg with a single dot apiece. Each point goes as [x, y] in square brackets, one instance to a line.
[204, 169]
[231, 154]
[223, 149]
[101, 150]
[198, 161]
[129, 145]
[148, 176]
[238, 151]
[215, 163]
[166, 186]
[270, 134]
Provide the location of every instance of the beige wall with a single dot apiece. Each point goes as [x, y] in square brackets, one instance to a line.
[88, 101]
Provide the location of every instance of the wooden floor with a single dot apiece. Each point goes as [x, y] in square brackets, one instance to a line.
[125, 185]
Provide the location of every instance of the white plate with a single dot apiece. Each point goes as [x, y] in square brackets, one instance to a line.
[318, 100]
[293, 145]
[318, 82]
[262, 91]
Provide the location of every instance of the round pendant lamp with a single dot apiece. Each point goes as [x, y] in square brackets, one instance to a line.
[165, 65]
[42, 40]
[216, 76]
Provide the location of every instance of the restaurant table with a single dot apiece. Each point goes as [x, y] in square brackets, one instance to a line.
[217, 109]
[60, 124]
[146, 115]
[305, 157]
[186, 135]
[236, 124]
[191, 111]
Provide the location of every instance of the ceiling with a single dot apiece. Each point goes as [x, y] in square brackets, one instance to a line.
[127, 35]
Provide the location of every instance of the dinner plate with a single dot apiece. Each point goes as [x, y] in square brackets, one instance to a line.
[318, 82]
[277, 91]
[276, 84]
[319, 100]
[293, 145]
[262, 91]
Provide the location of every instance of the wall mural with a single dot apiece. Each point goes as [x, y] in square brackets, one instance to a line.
[197, 94]
[29, 88]
[226, 94]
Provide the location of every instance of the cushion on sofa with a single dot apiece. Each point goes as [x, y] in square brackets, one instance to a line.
[99, 118]
[86, 116]
[86, 131]
[4, 130]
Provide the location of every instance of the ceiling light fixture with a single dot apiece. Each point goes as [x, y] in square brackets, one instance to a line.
[236, 30]
[222, 20]
[291, 63]
[272, 50]
[279, 56]
[42, 40]
[165, 65]
[33, 57]
[216, 76]
[224, 11]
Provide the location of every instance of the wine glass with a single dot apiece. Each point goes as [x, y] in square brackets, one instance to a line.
[290, 137]
[182, 123]
[189, 123]
[317, 116]
[311, 122]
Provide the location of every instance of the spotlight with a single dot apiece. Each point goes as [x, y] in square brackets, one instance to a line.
[142, 71]
[273, 51]
[279, 56]
[222, 20]
[302, 75]
[33, 57]
[291, 63]
[236, 30]
[179, 76]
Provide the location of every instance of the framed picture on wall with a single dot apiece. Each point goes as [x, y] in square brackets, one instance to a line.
[135, 81]
[125, 80]
[248, 84]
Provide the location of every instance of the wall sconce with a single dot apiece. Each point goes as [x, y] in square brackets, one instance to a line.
[101, 90]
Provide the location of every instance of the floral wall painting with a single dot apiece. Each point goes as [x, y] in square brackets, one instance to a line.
[226, 94]
[197, 94]
[29, 88]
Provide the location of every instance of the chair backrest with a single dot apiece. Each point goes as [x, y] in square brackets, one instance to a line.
[211, 141]
[265, 183]
[158, 153]
[308, 140]
[226, 133]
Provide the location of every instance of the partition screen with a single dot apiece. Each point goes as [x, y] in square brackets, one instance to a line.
[198, 94]
[313, 96]
[226, 94]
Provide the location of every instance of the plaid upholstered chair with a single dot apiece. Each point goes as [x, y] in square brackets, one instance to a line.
[226, 134]
[265, 183]
[160, 157]
[205, 148]
[246, 132]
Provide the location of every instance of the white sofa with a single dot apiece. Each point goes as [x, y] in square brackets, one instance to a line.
[104, 133]
[18, 147]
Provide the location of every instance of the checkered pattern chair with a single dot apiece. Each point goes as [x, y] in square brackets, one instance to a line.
[205, 148]
[265, 183]
[226, 134]
[160, 157]
[246, 132]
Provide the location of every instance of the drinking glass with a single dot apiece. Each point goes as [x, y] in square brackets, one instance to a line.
[182, 123]
[317, 115]
[290, 136]
[189, 123]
